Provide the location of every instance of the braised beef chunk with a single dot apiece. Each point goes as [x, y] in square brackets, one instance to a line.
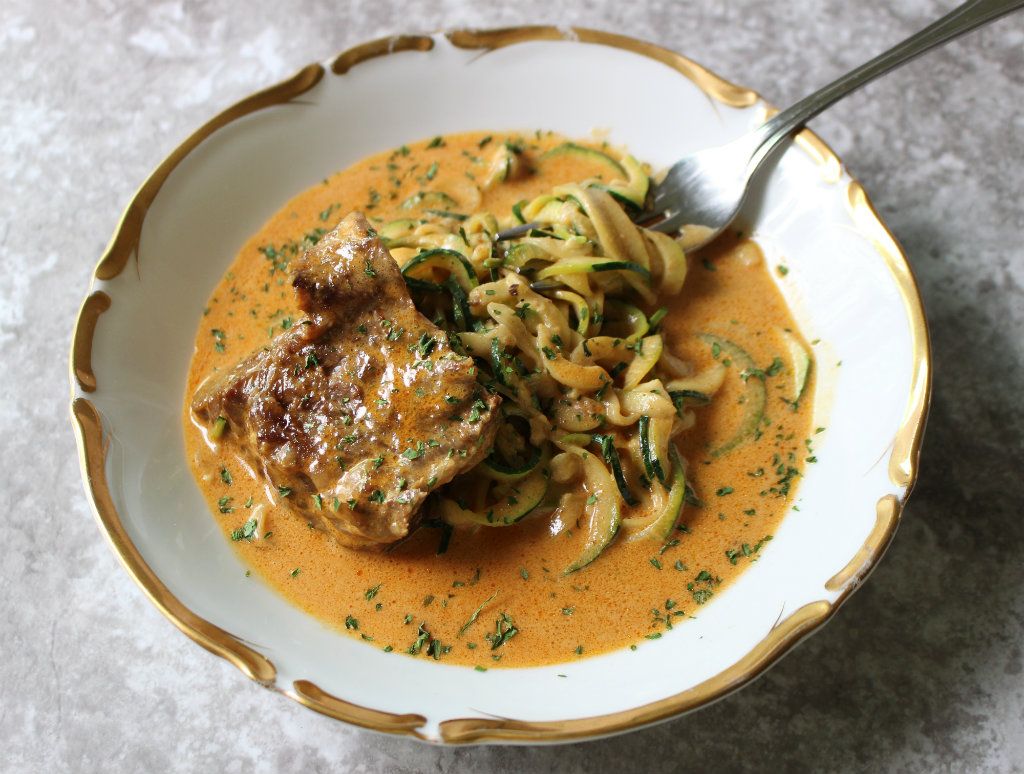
[358, 412]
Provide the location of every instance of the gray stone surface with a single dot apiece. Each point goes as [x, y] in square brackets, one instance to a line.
[921, 671]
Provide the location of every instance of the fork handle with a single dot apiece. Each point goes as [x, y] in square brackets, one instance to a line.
[960, 20]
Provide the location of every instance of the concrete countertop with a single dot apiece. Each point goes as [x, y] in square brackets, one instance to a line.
[921, 671]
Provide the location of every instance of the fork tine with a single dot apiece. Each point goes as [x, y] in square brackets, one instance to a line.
[647, 216]
[664, 194]
[673, 222]
[516, 231]
[661, 203]
[546, 284]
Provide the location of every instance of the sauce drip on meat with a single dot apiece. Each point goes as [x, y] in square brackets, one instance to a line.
[411, 598]
[348, 412]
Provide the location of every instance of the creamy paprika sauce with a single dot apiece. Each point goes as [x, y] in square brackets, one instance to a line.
[489, 577]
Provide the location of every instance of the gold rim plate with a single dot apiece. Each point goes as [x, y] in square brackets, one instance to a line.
[903, 464]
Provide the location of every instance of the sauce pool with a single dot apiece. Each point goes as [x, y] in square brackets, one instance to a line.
[633, 590]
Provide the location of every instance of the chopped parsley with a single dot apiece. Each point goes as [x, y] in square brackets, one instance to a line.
[775, 368]
[424, 346]
[436, 649]
[475, 411]
[218, 336]
[702, 587]
[246, 531]
[504, 630]
[422, 635]
[325, 214]
[476, 613]
[414, 453]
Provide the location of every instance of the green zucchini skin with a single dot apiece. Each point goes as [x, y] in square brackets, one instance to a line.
[393, 232]
[498, 471]
[632, 183]
[682, 398]
[605, 516]
[800, 363]
[460, 304]
[583, 152]
[652, 465]
[447, 214]
[511, 509]
[632, 194]
[611, 456]
[517, 210]
[454, 262]
[425, 198]
[661, 528]
[588, 265]
[755, 392]
[501, 371]
[627, 316]
[521, 253]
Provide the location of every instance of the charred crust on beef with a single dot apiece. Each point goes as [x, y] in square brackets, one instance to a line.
[362, 409]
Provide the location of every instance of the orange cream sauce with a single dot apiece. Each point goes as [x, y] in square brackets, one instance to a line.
[383, 598]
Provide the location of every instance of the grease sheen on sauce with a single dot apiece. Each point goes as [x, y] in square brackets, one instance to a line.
[609, 604]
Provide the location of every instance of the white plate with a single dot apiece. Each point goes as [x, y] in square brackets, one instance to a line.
[848, 284]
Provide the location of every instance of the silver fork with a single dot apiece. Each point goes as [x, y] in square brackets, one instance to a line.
[707, 188]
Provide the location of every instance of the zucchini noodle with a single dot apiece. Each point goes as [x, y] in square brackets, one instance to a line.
[556, 322]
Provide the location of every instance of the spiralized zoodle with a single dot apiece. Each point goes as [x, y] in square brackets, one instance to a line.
[563, 324]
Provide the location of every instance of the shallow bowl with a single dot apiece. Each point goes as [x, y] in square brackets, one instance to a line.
[848, 284]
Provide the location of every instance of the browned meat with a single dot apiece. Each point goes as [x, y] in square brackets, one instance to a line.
[358, 412]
